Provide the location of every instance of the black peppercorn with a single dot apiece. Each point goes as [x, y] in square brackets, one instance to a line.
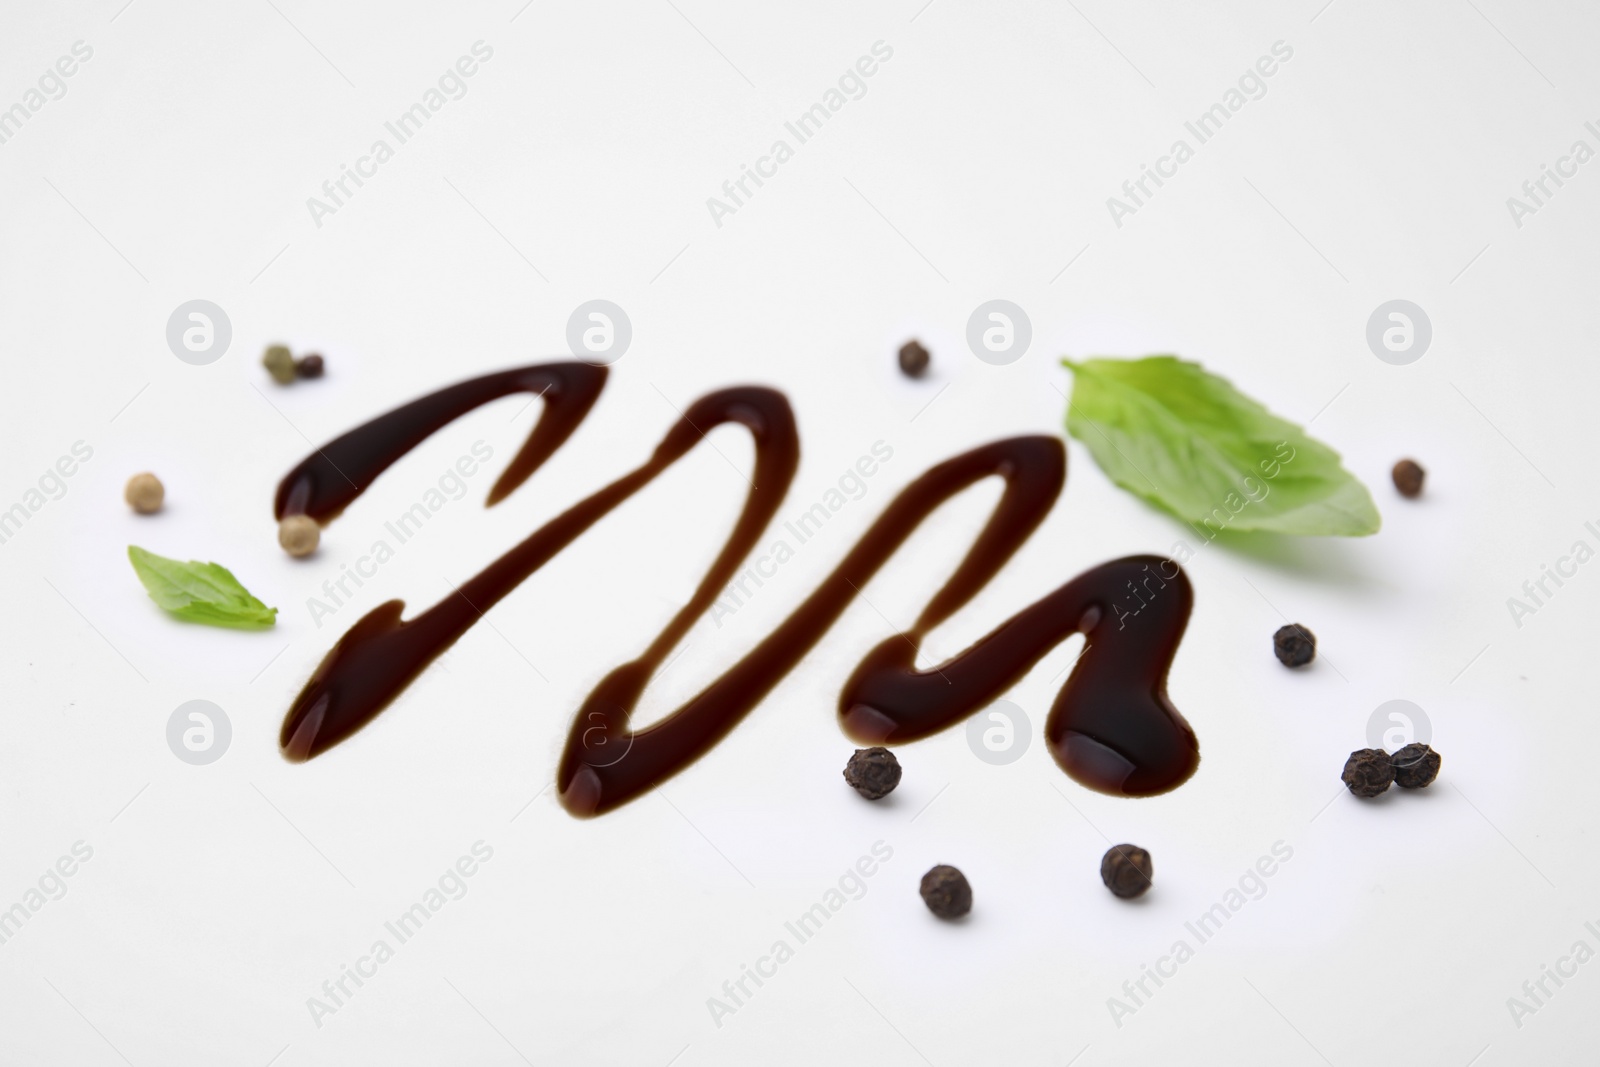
[1126, 870]
[1368, 772]
[913, 359]
[873, 772]
[1415, 766]
[946, 892]
[309, 367]
[1408, 478]
[1294, 645]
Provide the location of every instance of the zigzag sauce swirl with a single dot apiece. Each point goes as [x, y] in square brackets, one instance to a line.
[1111, 728]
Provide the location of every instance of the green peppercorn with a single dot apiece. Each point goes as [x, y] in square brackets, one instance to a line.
[279, 362]
[299, 534]
[144, 493]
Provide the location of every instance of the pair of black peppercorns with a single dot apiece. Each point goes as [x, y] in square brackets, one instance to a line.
[1368, 771]
[1125, 869]
[874, 772]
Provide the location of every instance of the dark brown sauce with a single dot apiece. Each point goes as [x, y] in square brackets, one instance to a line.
[1112, 727]
[324, 483]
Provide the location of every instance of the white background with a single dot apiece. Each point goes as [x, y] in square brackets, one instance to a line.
[220, 898]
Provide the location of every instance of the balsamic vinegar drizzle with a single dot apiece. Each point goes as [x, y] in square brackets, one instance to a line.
[326, 481]
[1111, 728]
